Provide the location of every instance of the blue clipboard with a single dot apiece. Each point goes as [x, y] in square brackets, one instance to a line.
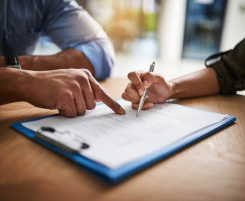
[116, 175]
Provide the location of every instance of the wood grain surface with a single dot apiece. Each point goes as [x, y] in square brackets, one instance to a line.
[212, 169]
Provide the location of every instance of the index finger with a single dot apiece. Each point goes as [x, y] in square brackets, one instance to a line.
[101, 94]
[141, 80]
[134, 77]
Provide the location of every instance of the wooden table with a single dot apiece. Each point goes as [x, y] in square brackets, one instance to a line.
[212, 169]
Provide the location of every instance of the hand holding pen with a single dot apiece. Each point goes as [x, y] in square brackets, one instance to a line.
[158, 90]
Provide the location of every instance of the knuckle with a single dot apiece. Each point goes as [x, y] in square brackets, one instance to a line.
[131, 74]
[128, 90]
[84, 79]
[139, 85]
[85, 82]
[79, 74]
[124, 96]
[135, 87]
[87, 72]
[65, 95]
[67, 112]
[75, 86]
[65, 98]
[131, 86]
[148, 74]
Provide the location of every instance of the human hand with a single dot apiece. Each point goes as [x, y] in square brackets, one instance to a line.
[158, 89]
[71, 91]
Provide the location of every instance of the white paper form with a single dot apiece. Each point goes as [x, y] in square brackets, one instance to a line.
[115, 140]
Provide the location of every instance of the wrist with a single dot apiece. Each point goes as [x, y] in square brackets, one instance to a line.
[14, 85]
[172, 90]
[25, 84]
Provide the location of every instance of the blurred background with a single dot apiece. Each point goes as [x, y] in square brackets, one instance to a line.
[177, 34]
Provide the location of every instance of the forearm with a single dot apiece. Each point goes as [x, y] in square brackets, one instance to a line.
[200, 83]
[69, 58]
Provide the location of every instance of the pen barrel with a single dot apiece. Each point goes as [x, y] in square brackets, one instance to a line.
[142, 100]
[145, 91]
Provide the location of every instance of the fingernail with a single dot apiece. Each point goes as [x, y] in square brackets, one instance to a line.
[141, 92]
[146, 96]
[150, 105]
[122, 111]
[145, 83]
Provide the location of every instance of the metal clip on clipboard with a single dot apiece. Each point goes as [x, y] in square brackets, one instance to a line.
[48, 134]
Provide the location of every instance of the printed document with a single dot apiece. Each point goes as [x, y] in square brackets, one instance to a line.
[115, 140]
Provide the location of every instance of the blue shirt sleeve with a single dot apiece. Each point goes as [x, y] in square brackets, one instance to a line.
[70, 26]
